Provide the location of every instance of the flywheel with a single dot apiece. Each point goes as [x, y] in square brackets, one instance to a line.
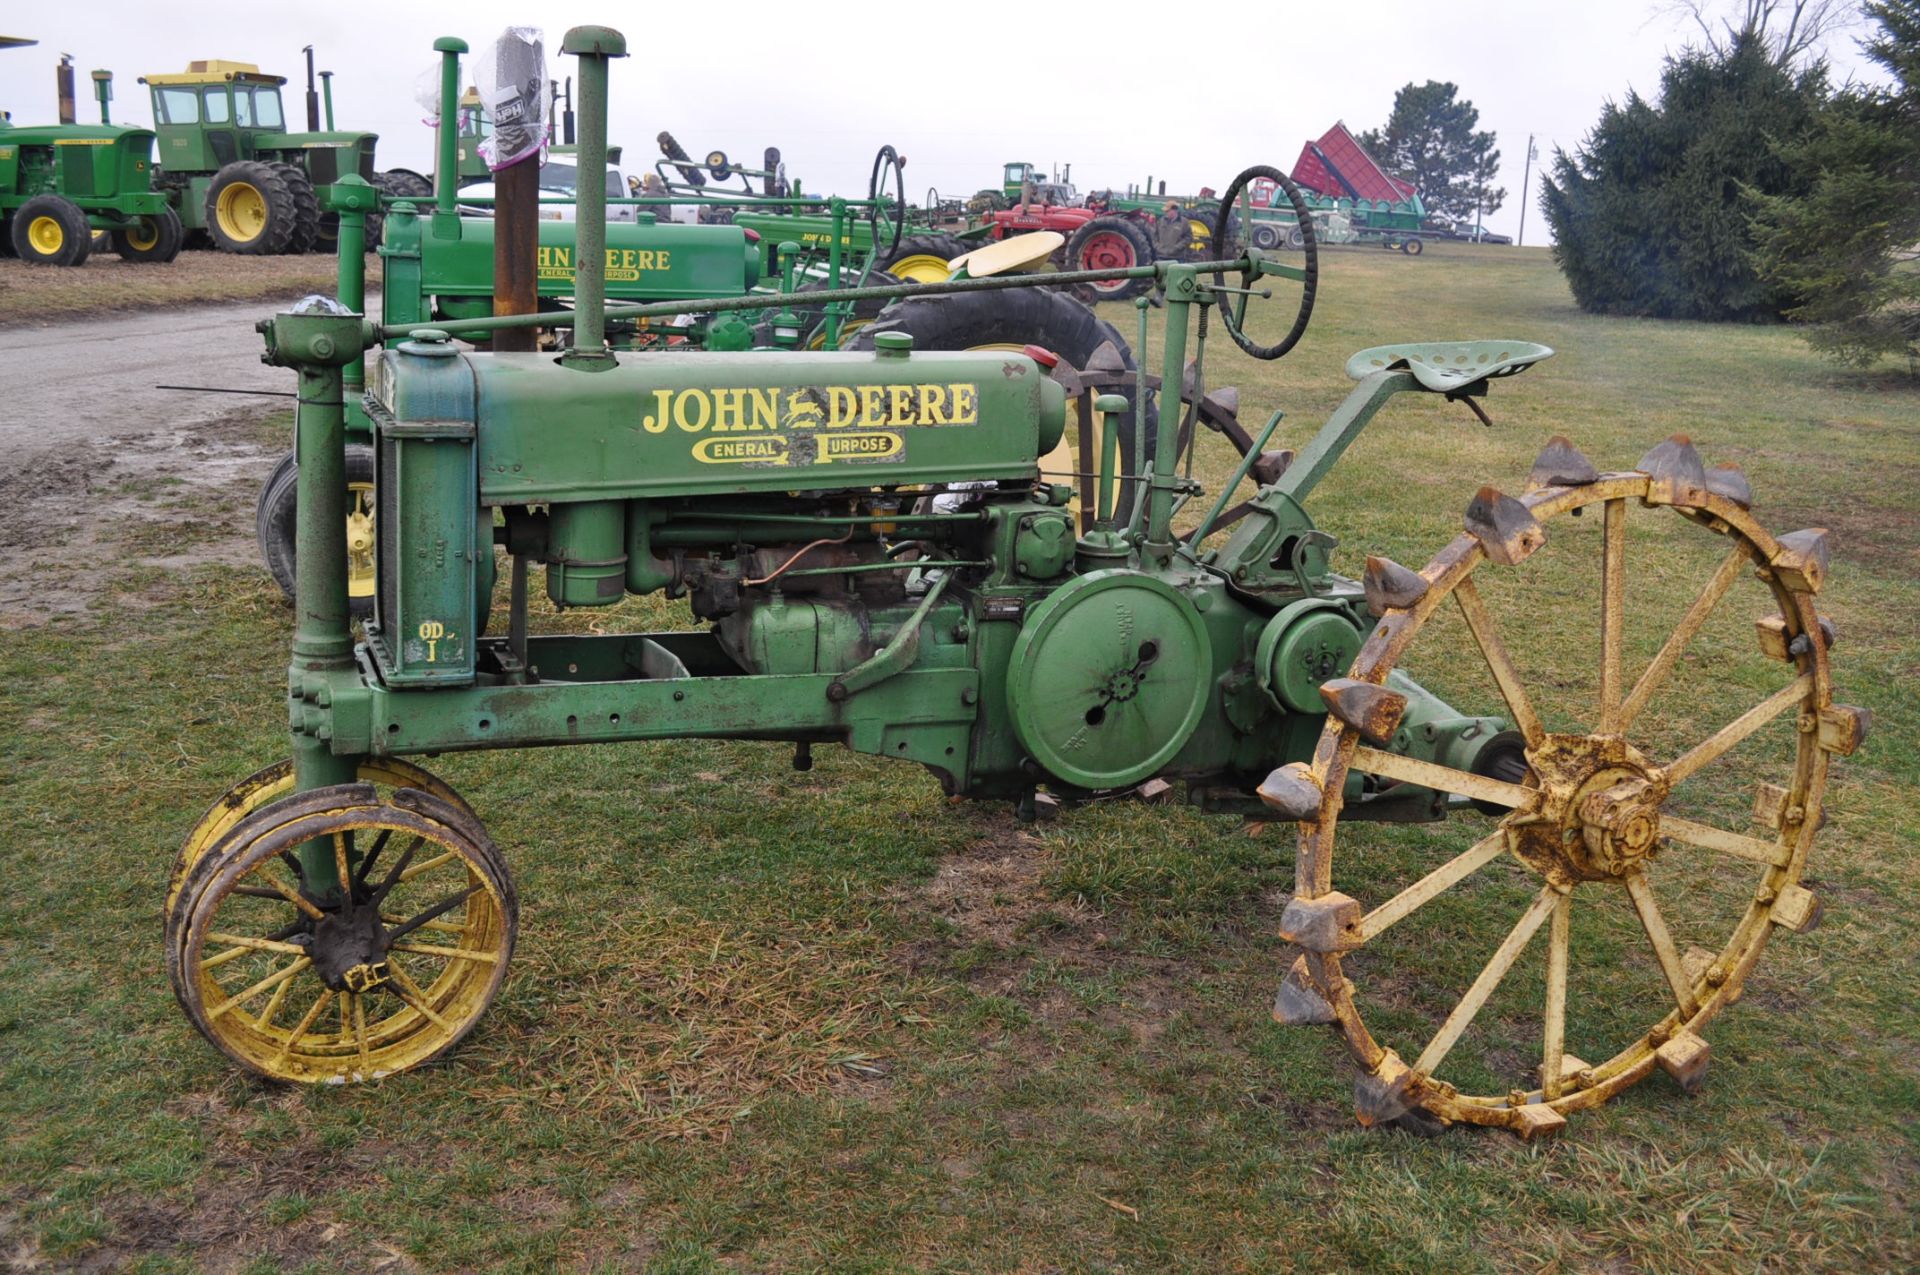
[1108, 679]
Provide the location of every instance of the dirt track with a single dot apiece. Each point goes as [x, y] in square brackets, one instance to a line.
[100, 463]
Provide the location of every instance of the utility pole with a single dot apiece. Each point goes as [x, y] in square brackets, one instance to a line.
[1525, 175]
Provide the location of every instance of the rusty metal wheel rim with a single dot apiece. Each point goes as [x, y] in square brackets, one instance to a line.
[299, 986]
[270, 784]
[1699, 988]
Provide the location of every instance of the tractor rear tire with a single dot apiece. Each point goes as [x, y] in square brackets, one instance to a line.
[1112, 243]
[923, 258]
[250, 210]
[49, 230]
[306, 209]
[396, 183]
[275, 518]
[1009, 320]
[151, 239]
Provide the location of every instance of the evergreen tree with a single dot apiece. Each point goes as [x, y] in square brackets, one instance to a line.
[1650, 214]
[1430, 141]
[1848, 246]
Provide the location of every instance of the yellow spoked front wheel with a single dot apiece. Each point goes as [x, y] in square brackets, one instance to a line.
[332, 936]
[272, 783]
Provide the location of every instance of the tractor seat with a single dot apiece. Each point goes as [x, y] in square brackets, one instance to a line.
[1446, 367]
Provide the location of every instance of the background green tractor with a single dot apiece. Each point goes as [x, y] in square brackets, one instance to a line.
[234, 171]
[59, 183]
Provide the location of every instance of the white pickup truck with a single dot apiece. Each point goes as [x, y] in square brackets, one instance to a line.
[558, 179]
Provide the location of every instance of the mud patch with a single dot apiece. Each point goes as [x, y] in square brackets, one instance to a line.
[995, 891]
[170, 500]
[258, 1203]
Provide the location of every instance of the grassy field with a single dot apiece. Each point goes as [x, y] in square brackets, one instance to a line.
[771, 1021]
[42, 294]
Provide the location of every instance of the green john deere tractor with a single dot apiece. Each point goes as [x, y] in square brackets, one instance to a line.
[233, 170]
[60, 183]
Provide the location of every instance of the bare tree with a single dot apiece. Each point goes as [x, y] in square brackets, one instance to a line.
[1794, 30]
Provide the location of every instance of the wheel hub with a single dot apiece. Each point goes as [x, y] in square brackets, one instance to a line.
[1124, 684]
[349, 950]
[1599, 815]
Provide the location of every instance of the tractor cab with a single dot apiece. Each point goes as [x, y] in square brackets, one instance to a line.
[235, 171]
[212, 113]
[217, 113]
[1057, 192]
[473, 127]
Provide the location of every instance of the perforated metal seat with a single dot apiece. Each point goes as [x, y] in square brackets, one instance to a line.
[1447, 366]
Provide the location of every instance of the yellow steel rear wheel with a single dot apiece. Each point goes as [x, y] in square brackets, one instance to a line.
[299, 980]
[241, 211]
[921, 268]
[46, 235]
[360, 541]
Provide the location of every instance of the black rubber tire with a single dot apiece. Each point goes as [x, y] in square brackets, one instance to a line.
[306, 209]
[1128, 229]
[167, 237]
[1266, 236]
[397, 183]
[76, 237]
[1296, 239]
[944, 247]
[1016, 316]
[1413, 247]
[282, 216]
[274, 520]
[690, 172]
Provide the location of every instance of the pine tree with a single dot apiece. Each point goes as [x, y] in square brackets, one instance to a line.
[1430, 141]
[1849, 247]
[1650, 215]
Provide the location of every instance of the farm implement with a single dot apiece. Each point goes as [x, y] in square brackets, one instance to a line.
[879, 557]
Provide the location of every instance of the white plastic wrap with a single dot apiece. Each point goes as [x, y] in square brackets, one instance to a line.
[426, 91]
[512, 80]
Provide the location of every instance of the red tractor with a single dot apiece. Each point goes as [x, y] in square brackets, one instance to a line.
[1096, 238]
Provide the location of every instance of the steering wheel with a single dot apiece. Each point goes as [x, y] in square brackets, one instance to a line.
[884, 160]
[1226, 240]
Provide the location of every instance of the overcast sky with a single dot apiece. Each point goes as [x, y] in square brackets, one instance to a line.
[957, 89]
